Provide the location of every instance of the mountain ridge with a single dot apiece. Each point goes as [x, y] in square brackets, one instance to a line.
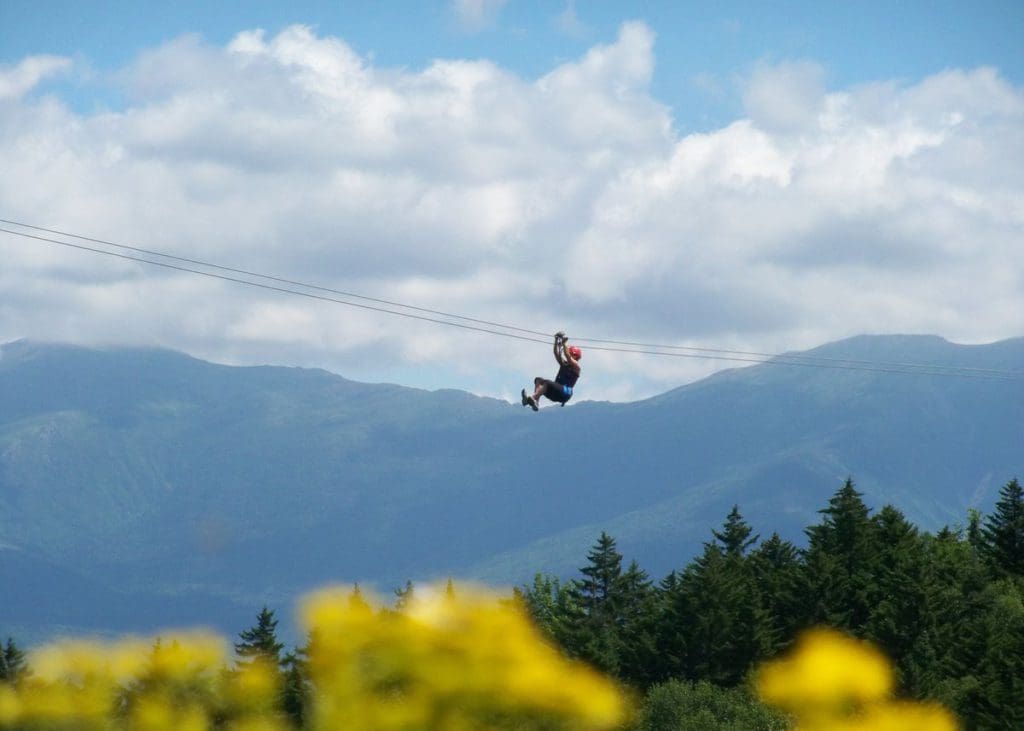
[166, 476]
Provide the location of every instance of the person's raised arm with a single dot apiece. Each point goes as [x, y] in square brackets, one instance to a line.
[560, 347]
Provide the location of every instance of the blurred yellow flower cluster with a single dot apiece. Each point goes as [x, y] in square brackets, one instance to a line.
[444, 662]
[831, 681]
[178, 682]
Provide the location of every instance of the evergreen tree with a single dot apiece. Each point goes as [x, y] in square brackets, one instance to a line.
[1000, 696]
[596, 636]
[720, 629]
[602, 573]
[974, 536]
[636, 606]
[17, 664]
[669, 626]
[1003, 533]
[777, 574]
[712, 625]
[404, 596]
[838, 560]
[260, 640]
[896, 589]
[735, 534]
[951, 643]
[13, 665]
[297, 691]
[551, 605]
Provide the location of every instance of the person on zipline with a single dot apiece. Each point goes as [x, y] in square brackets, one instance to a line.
[560, 389]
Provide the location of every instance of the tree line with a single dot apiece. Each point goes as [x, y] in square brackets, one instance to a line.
[947, 608]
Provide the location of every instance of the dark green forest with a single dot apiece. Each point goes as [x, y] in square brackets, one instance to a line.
[947, 608]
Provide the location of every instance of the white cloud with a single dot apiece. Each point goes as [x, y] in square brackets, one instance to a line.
[20, 79]
[568, 201]
[786, 97]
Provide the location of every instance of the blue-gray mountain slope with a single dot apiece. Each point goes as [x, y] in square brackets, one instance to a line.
[149, 479]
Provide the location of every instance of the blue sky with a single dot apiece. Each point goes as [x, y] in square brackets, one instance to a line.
[747, 176]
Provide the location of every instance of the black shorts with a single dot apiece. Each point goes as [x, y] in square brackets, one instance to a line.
[555, 391]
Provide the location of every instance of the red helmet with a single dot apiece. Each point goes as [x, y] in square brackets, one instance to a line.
[575, 352]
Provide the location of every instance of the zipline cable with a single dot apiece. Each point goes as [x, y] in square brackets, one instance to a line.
[810, 359]
[272, 278]
[595, 341]
[273, 288]
[595, 344]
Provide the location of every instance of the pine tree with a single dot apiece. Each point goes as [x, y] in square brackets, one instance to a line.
[838, 560]
[1003, 533]
[896, 588]
[712, 625]
[13, 665]
[260, 641]
[669, 626]
[735, 534]
[404, 596]
[602, 572]
[296, 691]
[636, 607]
[5, 673]
[724, 630]
[974, 536]
[1000, 696]
[595, 638]
[551, 605]
[952, 640]
[777, 574]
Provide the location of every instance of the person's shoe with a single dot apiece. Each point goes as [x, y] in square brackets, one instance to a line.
[533, 403]
[526, 399]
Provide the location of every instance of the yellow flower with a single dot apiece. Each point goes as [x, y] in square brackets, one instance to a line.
[465, 663]
[185, 655]
[10, 705]
[157, 712]
[444, 663]
[827, 669]
[254, 685]
[830, 682]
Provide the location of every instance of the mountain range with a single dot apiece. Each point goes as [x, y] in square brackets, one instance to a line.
[143, 488]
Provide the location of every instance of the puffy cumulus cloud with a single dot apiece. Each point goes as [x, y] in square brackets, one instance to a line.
[15, 81]
[567, 201]
[824, 214]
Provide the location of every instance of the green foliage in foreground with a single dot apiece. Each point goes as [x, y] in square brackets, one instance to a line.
[677, 705]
